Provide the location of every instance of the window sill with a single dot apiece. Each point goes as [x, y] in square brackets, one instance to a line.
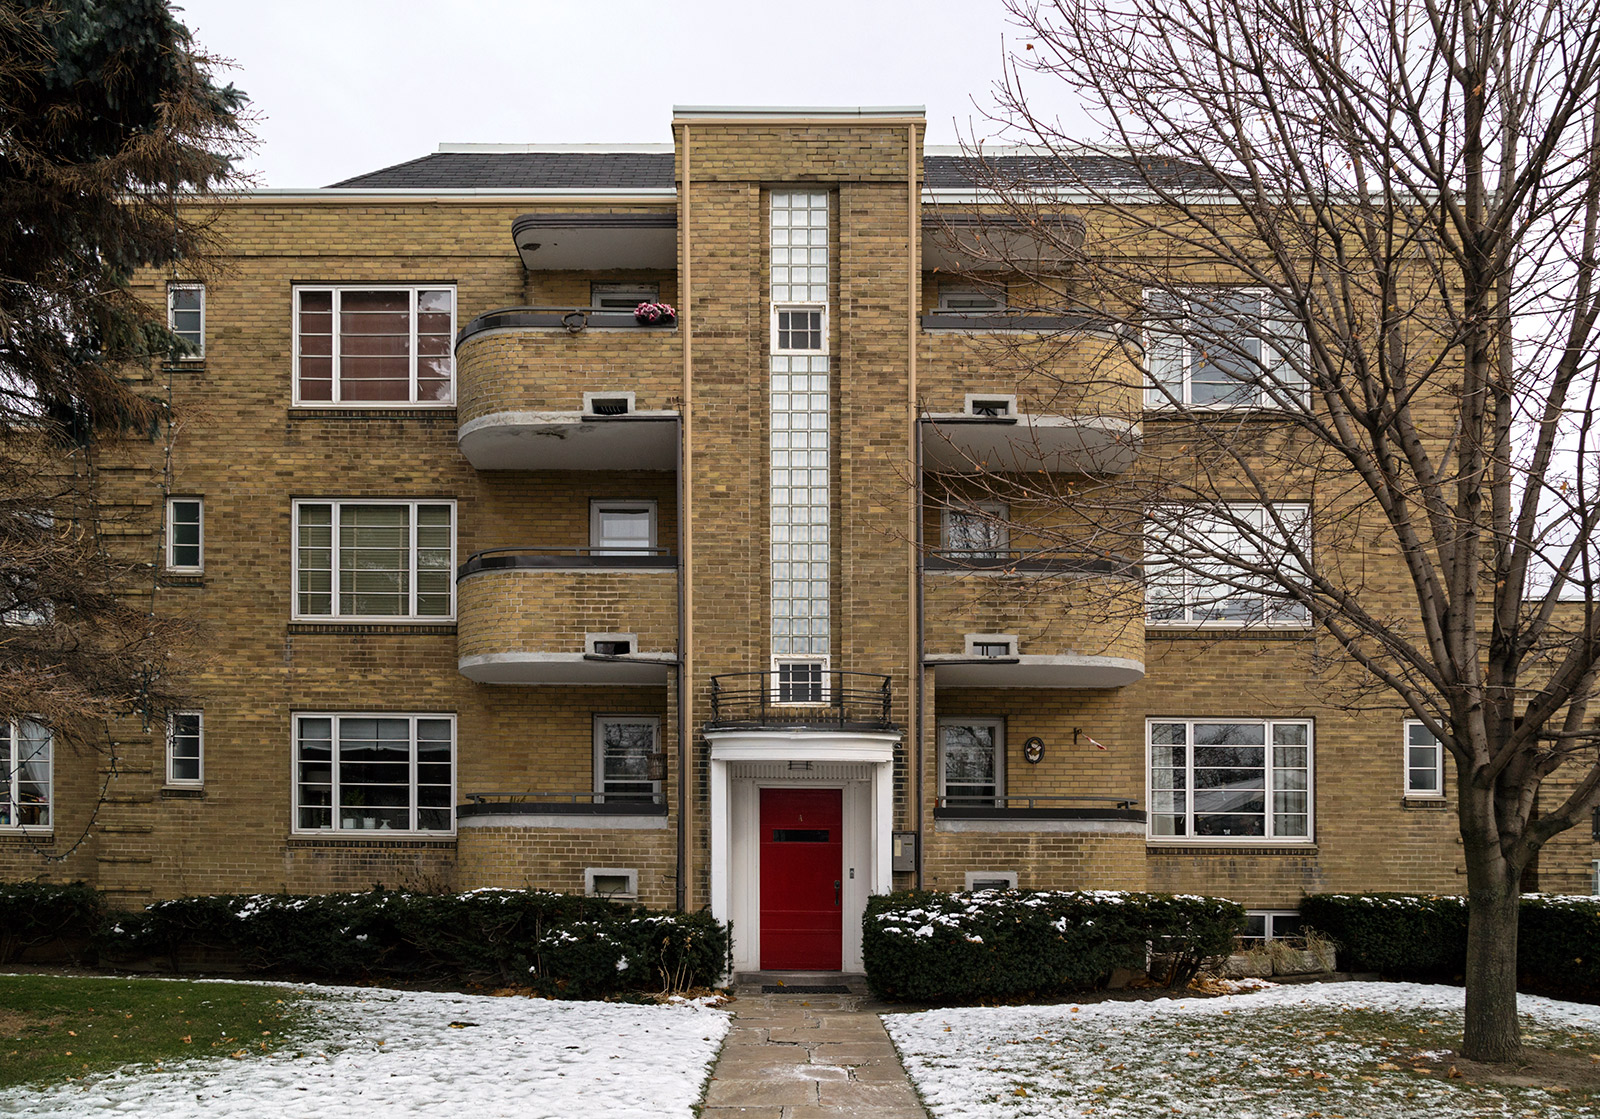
[402, 840]
[183, 792]
[1424, 802]
[183, 579]
[343, 411]
[385, 628]
[1207, 632]
[13, 835]
[1231, 847]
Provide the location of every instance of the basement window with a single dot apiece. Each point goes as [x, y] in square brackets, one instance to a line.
[1262, 925]
[610, 882]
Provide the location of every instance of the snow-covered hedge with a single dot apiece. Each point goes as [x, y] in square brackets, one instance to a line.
[575, 946]
[35, 914]
[937, 947]
[1425, 937]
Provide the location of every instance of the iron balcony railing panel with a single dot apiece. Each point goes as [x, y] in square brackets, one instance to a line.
[1030, 561]
[573, 319]
[566, 559]
[839, 699]
[1038, 807]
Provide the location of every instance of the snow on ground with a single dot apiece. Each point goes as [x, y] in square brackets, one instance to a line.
[1312, 1049]
[387, 1053]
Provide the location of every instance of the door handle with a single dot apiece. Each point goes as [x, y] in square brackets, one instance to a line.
[835, 893]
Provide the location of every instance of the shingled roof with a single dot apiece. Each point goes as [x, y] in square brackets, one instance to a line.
[647, 170]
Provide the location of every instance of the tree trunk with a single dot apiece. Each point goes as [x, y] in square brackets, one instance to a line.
[1491, 1032]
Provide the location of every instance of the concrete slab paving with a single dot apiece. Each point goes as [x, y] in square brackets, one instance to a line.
[801, 1056]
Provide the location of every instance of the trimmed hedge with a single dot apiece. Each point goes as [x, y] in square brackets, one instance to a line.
[34, 914]
[559, 944]
[1400, 935]
[936, 947]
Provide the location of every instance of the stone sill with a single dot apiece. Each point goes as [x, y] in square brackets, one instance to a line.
[330, 843]
[1427, 804]
[1232, 851]
[183, 792]
[345, 629]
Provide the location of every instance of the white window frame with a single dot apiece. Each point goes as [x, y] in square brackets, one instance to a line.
[824, 692]
[11, 776]
[590, 640]
[600, 723]
[1273, 359]
[629, 874]
[599, 507]
[998, 725]
[1189, 839]
[818, 309]
[1286, 614]
[338, 291]
[971, 642]
[970, 402]
[199, 353]
[1268, 929]
[589, 399]
[172, 564]
[995, 515]
[200, 748]
[338, 828]
[638, 293]
[1407, 769]
[363, 619]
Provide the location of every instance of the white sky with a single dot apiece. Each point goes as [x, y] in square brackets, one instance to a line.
[348, 86]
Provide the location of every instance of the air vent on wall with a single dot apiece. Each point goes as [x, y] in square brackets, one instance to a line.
[610, 406]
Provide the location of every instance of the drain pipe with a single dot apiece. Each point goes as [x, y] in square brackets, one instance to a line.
[913, 244]
[685, 546]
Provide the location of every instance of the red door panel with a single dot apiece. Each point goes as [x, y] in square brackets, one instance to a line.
[802, 853]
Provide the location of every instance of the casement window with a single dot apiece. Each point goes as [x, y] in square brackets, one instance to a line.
[803, 680]
[1219, 565]
[624, 747]
[374, 345]
[1262, 925]
[622, 297]
[186, 318]
[1230, 779]
[374, 560]
[363, 773]
[185, 534]
[1424, 761]
[979, 530]
[799, 329]
[26, 776]
[185, 748]
[972, 762]
[621, 527]
[1222, 348]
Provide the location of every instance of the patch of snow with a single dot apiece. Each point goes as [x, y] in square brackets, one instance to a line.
[395, 1053]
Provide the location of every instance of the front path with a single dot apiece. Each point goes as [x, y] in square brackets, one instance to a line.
[795, 1056]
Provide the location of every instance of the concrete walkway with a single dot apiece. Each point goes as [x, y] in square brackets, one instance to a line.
[797, 1056]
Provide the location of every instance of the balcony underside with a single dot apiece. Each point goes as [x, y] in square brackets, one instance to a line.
[596, 242]
[955, 243]
[963, 444]
[571, 441]
[567, 668]
[1036, 671]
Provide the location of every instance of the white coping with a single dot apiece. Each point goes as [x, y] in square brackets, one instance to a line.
[1068, 827]
[570, 441]
[567, 820]
[767, 112]
[1064, 444]
[822, 745]
[1034, 671]
[565, 668]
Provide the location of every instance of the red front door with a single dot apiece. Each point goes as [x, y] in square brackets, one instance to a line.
[801, 856]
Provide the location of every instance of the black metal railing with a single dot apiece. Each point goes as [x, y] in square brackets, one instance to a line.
[831, 698]
[1007, 319]
[1030, 560]
[572, 319]
[566, 559]
[1006, 806]
[586, 802]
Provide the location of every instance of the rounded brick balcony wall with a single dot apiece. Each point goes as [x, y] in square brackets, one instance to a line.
[1089, 373]
[550, 611]
[1051, 614]
[549, 370]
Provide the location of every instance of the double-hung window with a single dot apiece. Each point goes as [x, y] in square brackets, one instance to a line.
[624, 747]
[622, 527]
[1232, 779]
[979, 531]
[1424, 761]
[374, 345]
[375, 560]
[185, 534]
[972, 762]
[1222, 348]
[25, 775]
[363, 773]
[1225, 565]
[185, 748]
[186, 319]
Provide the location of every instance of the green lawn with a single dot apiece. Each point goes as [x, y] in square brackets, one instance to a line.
[56, 1027]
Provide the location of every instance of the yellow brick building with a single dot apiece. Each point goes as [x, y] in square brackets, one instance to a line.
[501, 586]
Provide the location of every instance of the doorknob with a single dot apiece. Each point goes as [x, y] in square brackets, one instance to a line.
[835, 892]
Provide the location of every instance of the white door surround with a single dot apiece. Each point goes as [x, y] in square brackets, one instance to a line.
[861, 763]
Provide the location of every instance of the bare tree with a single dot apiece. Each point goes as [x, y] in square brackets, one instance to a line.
[1350, 247]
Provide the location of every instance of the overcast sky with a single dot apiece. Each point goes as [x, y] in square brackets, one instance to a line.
[347, 86]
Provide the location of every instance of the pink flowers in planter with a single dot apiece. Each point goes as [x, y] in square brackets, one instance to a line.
[649, 314]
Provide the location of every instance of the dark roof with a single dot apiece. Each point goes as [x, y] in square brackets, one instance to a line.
[645, 170]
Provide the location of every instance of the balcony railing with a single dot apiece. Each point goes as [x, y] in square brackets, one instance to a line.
[574, 320]
[1007, 319]
[566, 559]
[1029, 560]
[838, 700]
[1034, 807]
[584, 803]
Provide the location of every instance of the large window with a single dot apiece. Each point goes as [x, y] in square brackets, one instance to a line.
[374, 345]
[185, 748]
[624, 746]
[972, 762]
[1222, 348]
[1230, 779]
[1424, 761]
[363, 773]
[25, 775]
[1219, 565]
[186, 318]
[374, 560]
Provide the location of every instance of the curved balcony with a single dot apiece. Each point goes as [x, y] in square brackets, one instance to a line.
[1033, 619]
[567, 616]
[567, 388]
[1071, 391]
